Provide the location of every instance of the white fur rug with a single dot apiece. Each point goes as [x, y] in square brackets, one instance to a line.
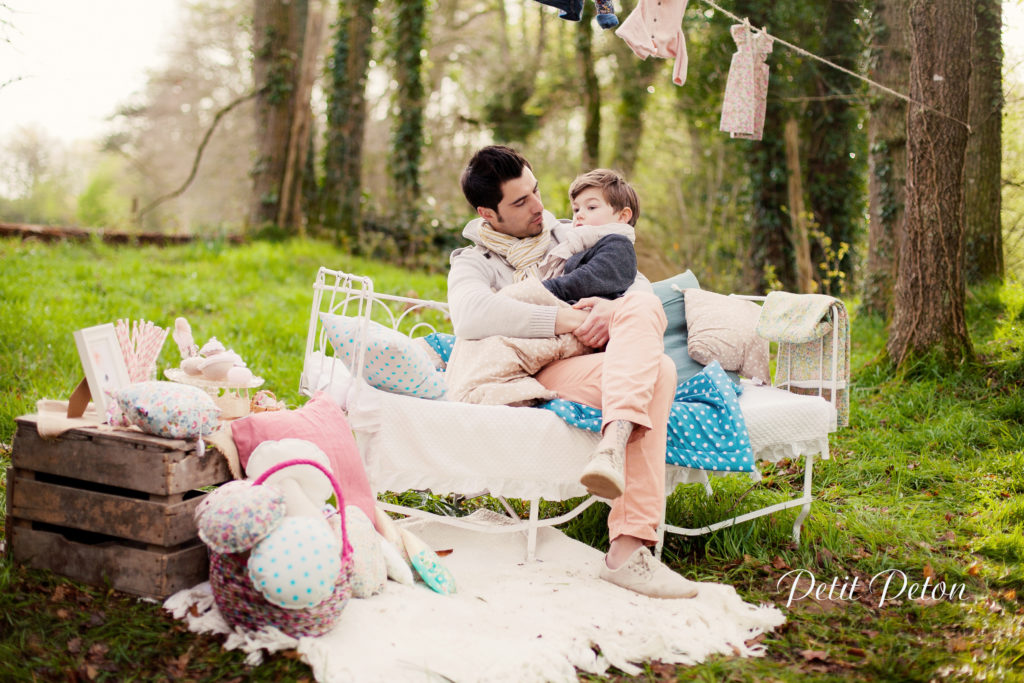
[508, 621]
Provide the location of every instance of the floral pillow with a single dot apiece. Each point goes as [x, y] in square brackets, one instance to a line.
[722, 328]
[392, 362]
[167, 409]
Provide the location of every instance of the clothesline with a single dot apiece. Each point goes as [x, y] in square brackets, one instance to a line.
[867, 80]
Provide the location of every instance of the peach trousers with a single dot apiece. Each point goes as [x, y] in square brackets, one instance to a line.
[632, 379]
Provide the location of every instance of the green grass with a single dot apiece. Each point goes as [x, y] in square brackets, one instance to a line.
[926, 480]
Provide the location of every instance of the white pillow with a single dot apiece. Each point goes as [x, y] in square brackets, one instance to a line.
[393, 362]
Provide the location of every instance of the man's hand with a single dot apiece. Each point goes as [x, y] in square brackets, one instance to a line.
[594, 330]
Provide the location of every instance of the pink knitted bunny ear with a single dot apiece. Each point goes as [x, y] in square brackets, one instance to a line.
[182, 336]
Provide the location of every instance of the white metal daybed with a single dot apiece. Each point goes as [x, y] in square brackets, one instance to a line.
[446, 447]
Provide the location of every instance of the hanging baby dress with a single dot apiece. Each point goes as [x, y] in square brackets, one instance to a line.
[746, 90]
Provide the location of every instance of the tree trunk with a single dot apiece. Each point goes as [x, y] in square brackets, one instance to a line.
[797, 213]
[289, 214]
[770, 254]
[407, 136]
[634, 76]
[929, 305]
[278, 30]
[983, 248]
[887, 140]
[590, 89]
[346, 119]
[836, 153]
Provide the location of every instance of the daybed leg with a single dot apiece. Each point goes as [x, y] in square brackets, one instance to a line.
[531, 534]
[805, 509]
[661, 528]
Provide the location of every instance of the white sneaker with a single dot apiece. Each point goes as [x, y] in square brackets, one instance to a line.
[644, 574]
[603, 475]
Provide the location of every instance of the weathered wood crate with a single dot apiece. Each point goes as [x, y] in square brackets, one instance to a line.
[109, 508]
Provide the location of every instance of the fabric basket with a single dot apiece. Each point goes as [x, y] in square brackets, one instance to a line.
[243, 606]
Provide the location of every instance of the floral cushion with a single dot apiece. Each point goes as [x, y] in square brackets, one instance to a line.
[392, 362]
[167, 409]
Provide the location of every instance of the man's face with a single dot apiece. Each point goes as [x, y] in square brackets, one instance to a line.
[521, 211]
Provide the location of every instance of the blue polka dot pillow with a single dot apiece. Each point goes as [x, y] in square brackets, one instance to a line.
[393, 362]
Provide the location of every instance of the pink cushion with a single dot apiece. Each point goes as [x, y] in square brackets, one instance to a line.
[322, 422]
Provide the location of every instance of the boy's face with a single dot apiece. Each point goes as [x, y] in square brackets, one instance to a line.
[590, 208]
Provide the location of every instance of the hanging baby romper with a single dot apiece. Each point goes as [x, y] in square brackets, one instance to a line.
[746, 90]
[654, 29]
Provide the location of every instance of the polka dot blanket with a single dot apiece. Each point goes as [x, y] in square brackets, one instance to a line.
[706, 429]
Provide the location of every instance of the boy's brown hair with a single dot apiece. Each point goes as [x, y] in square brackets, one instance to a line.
[616, 191]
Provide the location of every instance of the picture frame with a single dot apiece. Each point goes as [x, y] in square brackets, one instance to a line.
[102, 361]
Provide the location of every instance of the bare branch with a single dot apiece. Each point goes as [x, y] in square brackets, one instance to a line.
[199, 154]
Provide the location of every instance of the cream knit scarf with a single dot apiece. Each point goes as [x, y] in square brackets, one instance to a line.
[523, 254]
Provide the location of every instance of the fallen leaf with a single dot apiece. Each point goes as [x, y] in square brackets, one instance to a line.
[926, 602]
[756, 640]
[178, 666]
[59, 593]
[928, 571]
[63, 613]
[949, 537]
[99, 650]
[870, 633]
[949, 516]
[974, 569]
[1010, 594]
[91, 672]
[824, 556]
[75, 646]
[779, 563]
[814, 655]
[956, 644]
[856, 652]
[860, 554]
[819, 606]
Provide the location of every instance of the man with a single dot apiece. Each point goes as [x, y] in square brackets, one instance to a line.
[632, 381]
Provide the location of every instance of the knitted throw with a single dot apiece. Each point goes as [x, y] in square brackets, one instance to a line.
[523, 254]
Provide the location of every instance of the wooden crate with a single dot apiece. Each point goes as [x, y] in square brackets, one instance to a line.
[109, 508]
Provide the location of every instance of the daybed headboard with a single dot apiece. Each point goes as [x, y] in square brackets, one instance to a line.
[342, 293]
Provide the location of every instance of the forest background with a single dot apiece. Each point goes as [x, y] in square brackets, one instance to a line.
[400, 94]
[928, 479]
[352, 121]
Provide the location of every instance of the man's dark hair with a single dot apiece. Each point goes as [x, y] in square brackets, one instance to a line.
[487, 170]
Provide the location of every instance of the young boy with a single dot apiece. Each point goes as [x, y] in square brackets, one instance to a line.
[606, 207]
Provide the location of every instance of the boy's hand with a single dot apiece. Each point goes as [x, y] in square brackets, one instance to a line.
[594, 330]
[568, 320]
